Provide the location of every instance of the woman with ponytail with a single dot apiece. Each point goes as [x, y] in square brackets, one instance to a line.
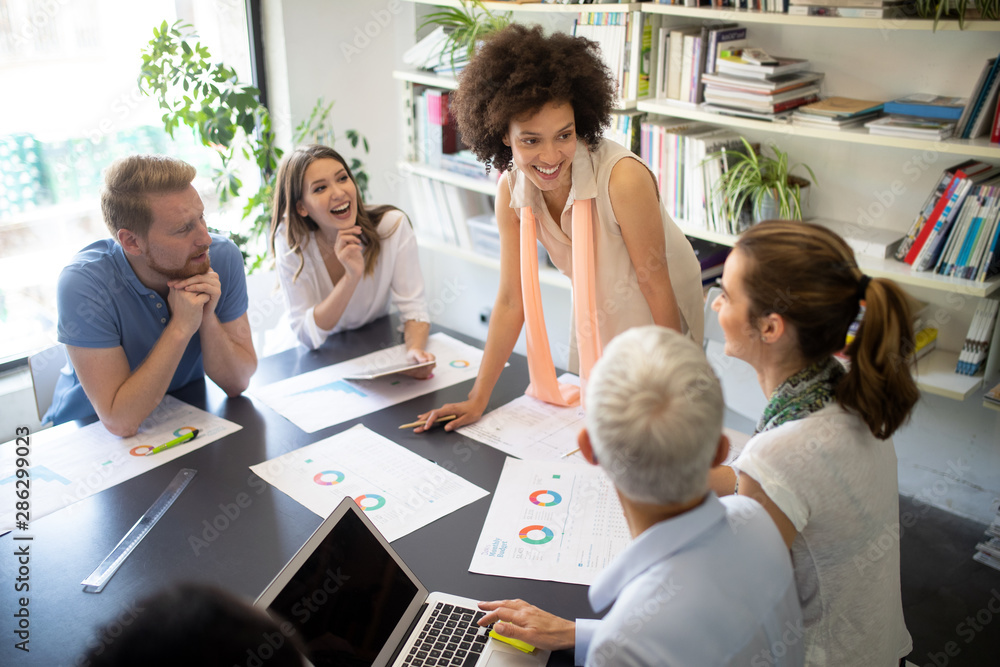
[821, 460]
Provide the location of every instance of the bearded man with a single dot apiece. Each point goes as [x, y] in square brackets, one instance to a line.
[160, 304]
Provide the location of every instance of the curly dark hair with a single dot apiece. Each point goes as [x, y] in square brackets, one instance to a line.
[517, 72]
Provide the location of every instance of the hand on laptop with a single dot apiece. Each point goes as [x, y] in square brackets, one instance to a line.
[519, 620]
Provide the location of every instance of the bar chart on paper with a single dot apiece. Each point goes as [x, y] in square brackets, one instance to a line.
[322, 398]
[399, 490]
[554, 521]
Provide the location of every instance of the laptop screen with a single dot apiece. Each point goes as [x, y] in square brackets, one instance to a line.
[347, 598]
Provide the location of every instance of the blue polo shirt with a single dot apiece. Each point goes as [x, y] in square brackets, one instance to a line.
[102, 304]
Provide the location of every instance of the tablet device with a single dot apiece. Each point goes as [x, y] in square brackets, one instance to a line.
[374, 373]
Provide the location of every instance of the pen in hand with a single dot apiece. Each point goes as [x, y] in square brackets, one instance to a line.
[439, 420]
[187, 437]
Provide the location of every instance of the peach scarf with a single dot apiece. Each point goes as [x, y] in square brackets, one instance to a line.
[541, 370]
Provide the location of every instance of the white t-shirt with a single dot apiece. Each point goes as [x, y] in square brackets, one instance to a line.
[837, 484]
[396, 279]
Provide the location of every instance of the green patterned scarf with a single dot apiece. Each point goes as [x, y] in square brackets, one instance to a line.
[804, 393]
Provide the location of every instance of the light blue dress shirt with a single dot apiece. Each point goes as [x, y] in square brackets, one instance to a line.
[712, 586]
[103, 304]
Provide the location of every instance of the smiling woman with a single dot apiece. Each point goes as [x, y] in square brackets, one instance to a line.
[341, 263]
[535, 107]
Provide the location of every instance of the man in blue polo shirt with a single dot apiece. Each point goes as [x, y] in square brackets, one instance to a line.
[157, 306]
[705, 581]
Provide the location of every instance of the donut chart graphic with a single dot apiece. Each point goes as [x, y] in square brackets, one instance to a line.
[459, 363]
[183, 430]
[379, 501]
[527, 530]
[140, 450]
[324, 478]
[537, 500]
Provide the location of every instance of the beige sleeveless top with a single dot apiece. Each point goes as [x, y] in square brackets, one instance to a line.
[620, 303]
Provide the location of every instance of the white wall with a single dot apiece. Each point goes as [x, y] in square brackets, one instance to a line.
[949, 455]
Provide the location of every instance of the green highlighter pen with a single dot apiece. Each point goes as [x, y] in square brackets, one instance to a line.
[173, 443]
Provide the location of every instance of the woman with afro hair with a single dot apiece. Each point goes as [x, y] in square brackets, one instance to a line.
[535, 108]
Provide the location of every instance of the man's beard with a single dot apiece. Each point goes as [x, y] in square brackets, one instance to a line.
[187, 271]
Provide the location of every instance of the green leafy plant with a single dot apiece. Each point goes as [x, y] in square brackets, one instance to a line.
[227, 115]
[758, 178]
[465, 26]
[939, 9]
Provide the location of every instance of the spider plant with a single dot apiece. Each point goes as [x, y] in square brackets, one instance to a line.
[761, 179]
[464, 26]
[938, 9]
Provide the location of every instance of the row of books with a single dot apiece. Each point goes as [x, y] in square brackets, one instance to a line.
[897, 8]
[615, 32]
[683, 54]
[988, 551]
[676, 152]
[924, 334]
[956, 231]
[982, 114]
[977, 341]
[861, 9]
[441, 211]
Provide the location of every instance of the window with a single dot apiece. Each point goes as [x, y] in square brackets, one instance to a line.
[69, 71]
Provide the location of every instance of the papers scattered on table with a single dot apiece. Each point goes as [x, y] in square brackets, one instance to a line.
[69, 464]
[531, 429]
[322, 398]
[401, 491]
[551, 521]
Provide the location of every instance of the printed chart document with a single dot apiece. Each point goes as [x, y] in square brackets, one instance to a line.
[551, 521]
[401, 491]
[322, 398]
[69, 464]
[532, 429]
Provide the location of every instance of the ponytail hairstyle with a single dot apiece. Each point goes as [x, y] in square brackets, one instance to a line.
[808, 275]
[288, 190]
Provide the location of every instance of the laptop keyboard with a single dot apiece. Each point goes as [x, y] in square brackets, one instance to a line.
[450, 637]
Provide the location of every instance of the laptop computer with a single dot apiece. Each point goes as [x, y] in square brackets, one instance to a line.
[353, 601]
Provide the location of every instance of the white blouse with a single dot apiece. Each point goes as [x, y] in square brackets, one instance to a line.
[396, 280]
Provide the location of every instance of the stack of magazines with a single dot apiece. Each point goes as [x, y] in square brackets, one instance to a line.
[932, 129]
[835, 113]
[749, 83]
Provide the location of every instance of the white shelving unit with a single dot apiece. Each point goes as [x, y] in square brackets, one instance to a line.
[935, 372]
[753, 16]
[977, 148]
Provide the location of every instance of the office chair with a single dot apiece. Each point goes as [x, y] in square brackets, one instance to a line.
[45, 367]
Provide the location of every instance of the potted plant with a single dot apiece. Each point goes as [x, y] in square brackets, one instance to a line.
[765, 182]
[227, 116]
[463, 27]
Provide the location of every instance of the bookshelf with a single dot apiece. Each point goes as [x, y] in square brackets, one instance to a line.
[974, 148]
[773, 18]
[881, 59]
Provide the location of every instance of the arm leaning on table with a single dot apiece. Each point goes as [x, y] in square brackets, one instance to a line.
[506, 321]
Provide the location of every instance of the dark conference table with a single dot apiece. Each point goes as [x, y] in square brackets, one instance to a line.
[244, 557]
